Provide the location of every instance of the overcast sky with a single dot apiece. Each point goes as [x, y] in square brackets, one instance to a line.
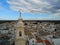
[30, 9]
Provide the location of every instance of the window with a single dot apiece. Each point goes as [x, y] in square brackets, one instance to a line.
[20, 33]
[25, 23]
[55, 29]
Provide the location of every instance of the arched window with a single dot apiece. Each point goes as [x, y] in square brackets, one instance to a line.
[20, 33]
[55, 30]
[25, 24]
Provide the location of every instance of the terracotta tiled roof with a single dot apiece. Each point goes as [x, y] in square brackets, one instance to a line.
[39, 41]
[46, 41]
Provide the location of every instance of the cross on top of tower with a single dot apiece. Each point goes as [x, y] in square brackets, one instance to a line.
[20, 17]
[20, 13]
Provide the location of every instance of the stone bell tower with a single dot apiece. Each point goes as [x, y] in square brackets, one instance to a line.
[20, 35]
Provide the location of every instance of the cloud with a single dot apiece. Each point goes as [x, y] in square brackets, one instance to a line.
[35, 6]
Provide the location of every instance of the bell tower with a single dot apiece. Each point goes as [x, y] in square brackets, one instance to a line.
[20, 35]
